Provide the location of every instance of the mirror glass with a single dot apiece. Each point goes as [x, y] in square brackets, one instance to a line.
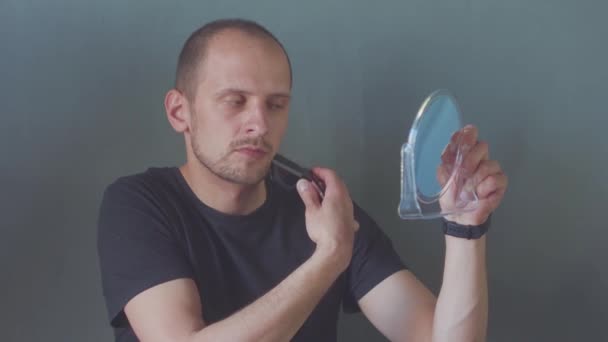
[432, 181]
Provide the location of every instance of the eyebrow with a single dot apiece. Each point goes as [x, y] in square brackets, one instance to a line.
[227, 91]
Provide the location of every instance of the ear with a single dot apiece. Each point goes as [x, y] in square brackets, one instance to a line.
[178, 110]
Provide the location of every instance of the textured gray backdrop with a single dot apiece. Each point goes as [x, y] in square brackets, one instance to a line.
[82, 86]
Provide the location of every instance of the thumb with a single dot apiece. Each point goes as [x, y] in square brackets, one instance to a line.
[308, 194]
[442, 174]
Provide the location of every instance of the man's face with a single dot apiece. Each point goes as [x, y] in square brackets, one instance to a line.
[240, 106]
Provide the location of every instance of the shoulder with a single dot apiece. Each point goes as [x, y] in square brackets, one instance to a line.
[370, 232]
[154, 179]
[152, 192]
[153, 184]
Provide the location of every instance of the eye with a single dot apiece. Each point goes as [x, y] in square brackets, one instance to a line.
[234, 101]
[277, 104]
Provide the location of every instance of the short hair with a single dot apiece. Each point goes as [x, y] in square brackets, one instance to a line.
[194, 49]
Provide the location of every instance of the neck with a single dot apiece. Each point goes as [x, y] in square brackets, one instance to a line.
[220, 194]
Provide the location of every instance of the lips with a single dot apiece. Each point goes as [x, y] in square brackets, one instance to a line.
[252, 148]
[252, 151]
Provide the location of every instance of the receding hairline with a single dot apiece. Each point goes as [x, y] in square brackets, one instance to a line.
[196, 48]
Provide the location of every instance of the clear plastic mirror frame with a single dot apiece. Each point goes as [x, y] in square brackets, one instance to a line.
[456, 193]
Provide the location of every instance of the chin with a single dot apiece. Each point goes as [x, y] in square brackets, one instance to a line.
[256, 174]
[245, 174]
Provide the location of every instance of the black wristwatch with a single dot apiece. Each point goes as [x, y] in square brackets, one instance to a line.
[466, 231]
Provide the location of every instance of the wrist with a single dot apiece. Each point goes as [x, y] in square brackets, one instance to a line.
[472, 243]
[465, 253]
[463, 231]
[332, 256]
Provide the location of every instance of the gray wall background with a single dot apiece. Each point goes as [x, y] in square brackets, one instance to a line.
[82, 85]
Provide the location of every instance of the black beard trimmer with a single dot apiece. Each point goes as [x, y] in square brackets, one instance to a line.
[288, 173]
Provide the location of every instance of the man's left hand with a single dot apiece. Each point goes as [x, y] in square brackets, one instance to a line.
[487, 177]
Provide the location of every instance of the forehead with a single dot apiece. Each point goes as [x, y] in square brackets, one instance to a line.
[244, 61]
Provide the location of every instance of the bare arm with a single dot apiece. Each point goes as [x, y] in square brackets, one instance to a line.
[462, 307]
[404, 310]
[172, 312]
[401, 308]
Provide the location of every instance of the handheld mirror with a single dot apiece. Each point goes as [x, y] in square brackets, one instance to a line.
[433, 183]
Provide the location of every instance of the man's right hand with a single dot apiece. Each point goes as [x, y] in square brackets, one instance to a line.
[330, 223]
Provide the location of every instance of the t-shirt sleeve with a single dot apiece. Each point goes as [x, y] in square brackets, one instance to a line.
[373, 260]
[136, 247]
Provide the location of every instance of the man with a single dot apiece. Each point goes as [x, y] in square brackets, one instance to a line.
[217, 251]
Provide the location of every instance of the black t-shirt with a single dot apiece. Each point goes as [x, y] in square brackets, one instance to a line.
[152, 229]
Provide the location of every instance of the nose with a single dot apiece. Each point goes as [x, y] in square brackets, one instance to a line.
[257, 120]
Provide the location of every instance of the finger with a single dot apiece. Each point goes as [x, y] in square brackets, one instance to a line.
[309, 195]
[356, 225]
[468, 135]
[491, 184]
[473, 158]
[485, 169]
[448, 155]
[495, 198]
[442, 174]
[449, 152]
[456, 136]
[333, 183]
[461, 141]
